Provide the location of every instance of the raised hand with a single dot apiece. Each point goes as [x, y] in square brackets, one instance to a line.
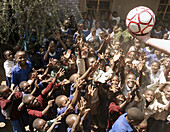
[95, 65]
[91, 90]
[140, 66]
[50, 63]
[114, 88]
[60, 73]
[82, 108]
[128, 97]
[117, 56]
[80, 83]
[67, 55]
[57, 35]
[50, 103]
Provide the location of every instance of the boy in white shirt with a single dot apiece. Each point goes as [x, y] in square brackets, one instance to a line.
[8, 65]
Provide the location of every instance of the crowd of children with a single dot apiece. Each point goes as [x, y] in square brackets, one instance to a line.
[82, 78]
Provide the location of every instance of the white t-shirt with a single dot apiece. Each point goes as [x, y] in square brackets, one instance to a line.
[8, 65]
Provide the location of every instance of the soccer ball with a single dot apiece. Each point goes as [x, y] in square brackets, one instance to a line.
[140, 20]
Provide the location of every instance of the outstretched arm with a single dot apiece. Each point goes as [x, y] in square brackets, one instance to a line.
[159, 44]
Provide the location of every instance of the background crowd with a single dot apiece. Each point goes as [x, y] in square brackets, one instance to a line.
[85, 77]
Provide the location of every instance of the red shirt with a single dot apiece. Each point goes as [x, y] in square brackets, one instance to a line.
[113, 114]
[15, 102]
[37, 112]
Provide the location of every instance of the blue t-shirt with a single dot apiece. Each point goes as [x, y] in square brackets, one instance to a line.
[56, 55]
[69, 129]
[86, 32]
[19, 74]
[121, 125]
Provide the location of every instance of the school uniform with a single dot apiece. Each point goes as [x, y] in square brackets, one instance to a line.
[8, 65]
[19, 74]
[121, 125]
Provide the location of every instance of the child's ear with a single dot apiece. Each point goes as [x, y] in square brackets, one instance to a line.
[131, 121]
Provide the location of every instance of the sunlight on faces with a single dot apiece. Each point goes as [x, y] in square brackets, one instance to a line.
[27, 88]
[149, 95]
[91, 61]
[53, 47]
[107, 54]
[130, 80]
[33, 102]
[155, 67]
[115, 80]
[5, 92]
[119, 99]
[62, 101]
[8, 55]
[21, 57]
[166, 91]
[56, 64]
[117, 45]
[132, 55]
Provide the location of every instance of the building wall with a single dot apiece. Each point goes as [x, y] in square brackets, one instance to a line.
[124, 6]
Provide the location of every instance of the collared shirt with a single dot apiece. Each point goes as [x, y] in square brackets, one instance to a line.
[121, 125]
[19, 74]
[8, 65]
[126, 89]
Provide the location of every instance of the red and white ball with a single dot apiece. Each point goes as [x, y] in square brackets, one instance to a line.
[140, 20]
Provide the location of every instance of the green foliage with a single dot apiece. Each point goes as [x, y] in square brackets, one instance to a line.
[27, 16]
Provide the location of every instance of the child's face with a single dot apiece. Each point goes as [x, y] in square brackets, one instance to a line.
[115, 81]
[137, 45]
[9, 55]
[21, 58]
[53, 46]
[33, 102]
[56, 64]
[119, 99]
[132, 55]
[130, 80]
[6, 92]
[80, 27]
[157, 52]
[27, 88]
[107, 54]
[102, 65]
[68, 42]
[72, 65]
[91, 61]
[43, 125]
[167, 92]
[149, 96]
[93, 33]
[117, 45]
[64, 101]
[66, 24]
[85, 24]
[165, 36]
[155, 67]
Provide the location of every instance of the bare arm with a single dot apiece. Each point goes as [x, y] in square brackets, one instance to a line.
[159, 44]
[61, 42]
[77, 93]
[50, 104]
[12, 86]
